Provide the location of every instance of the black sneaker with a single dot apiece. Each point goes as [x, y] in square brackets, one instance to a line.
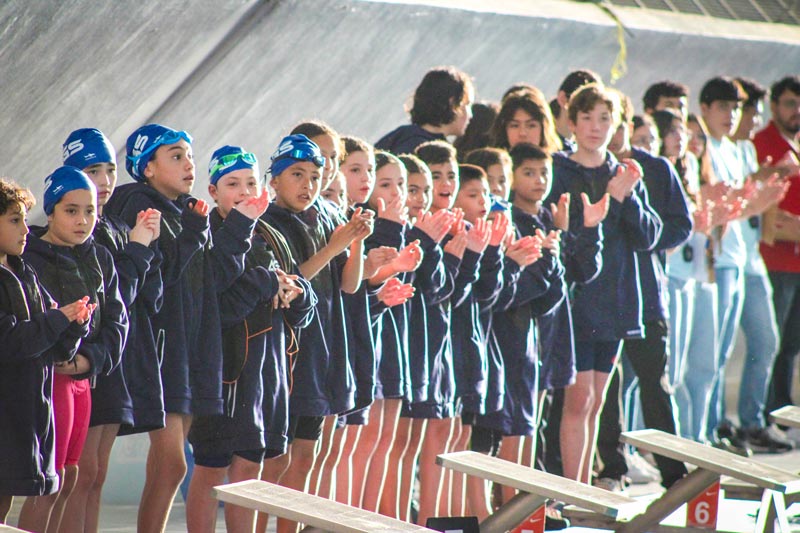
[729, 439]
[553, 520]
[768, 440]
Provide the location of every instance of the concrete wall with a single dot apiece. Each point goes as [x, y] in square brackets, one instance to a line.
[237, 71]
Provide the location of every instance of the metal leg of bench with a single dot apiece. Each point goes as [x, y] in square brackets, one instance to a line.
[775, 508]
[512, 513]
[681, 492]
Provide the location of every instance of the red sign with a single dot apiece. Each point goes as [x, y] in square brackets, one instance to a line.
[533, 524]
[702, 510]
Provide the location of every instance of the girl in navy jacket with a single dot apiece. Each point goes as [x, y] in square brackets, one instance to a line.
[70, 264]
[194, 270]
[263, 307]
[35, 333]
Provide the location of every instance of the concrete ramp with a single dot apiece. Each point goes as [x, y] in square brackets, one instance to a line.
[245, 72]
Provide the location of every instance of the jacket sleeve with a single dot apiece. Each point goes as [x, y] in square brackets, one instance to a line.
[668, 198]
[231, 242]
[257, 286]
[105, 351]
[436, 274]
[468, 271]
[582, 254]
[29, 339]
[490, 276]
[641, 224]
[132, 264]
[303, 308]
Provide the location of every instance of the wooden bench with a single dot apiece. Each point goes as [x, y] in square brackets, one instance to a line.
[9, 529]
[318, 514]
[788, 415]
[536, 488]
[775, 484]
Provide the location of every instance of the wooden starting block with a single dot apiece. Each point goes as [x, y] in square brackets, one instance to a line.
[788, 415]
[536, 488]
[775, 485]
[319, 514]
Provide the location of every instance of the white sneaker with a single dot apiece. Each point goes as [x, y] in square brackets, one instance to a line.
[640, 471]
[612, 485]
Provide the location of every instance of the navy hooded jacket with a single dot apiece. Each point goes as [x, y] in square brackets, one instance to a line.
[32, 336]
[610, 307]
[405, 139]
[194, 270]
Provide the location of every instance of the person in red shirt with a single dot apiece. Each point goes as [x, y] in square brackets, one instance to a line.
[779, 144]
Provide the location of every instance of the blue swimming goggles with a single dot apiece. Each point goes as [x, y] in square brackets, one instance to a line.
[166, 138]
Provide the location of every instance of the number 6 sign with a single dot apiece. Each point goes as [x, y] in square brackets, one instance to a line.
[702, 510]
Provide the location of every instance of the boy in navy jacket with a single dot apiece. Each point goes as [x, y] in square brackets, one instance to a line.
[34, 333]
[609, 309]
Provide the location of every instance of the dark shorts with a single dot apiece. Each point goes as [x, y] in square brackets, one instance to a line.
[599, 356]
[305, 427]
[223, 460]
[485, 440]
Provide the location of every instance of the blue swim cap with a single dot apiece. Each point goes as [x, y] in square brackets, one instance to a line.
[143, 143]
[229, 158]
[86, 147]
[295, 148]
[62, 181]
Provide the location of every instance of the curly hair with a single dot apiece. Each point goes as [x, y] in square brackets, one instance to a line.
[12, 194]
[440, 93]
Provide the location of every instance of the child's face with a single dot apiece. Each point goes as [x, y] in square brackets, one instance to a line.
[697, 139]
[721, 117]
[445, 184]
[646, 138]
[335, 191]
[463, 116]
[171, 170]
[298, 186]
[522, 128]
[13, 229]
[233, 188]
[73, 218]
[358, 169]
[499, 180]
[751, 120]
[419, 196]
[473, 198]
[390, 184]
[104, 176]
[330, 151]
[532, 180]
[593, 129]
[674, 143]
[620, 140]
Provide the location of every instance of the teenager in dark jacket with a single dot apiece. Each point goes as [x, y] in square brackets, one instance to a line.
[194, 271]
[258, 311]
[70, 264]
[609, 309]
[442, 106]
[35, 333]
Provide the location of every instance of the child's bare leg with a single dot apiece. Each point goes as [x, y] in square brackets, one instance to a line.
[408, 472]
[272, 472]
[575, 438]
[367, 443]
[328, 481]
[239, 519]
[457, 502]
[201, 506]
[510, 451]
[36, 510]
[376, 475]
[322, 455]
[431, 476]
[70, 512]
[601, 381]
[166, 468]
[107, 438]
[344, 471]
[5, 506]
[304, 454]
[392, 485]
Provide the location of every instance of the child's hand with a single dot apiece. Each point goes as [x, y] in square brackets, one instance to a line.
[594, 214]
[478, 236]
[395, 210]
[457, 245]
[377, 258]
[788, 165]
[499, 230]
[200, 207]
[152, 221]
[255, 206]
[458, 222]
[436, 225]
[288, 289]
[74, 311]
[560, 212]
[357, 228]
[408, 259]
[142, 232]
[524, 251]
[394, 292]
[702, 218]
[551, 241]
[770, 193]
[79, 365]
[621, 185]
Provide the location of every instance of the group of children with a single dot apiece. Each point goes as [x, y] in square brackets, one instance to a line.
[337, 324]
